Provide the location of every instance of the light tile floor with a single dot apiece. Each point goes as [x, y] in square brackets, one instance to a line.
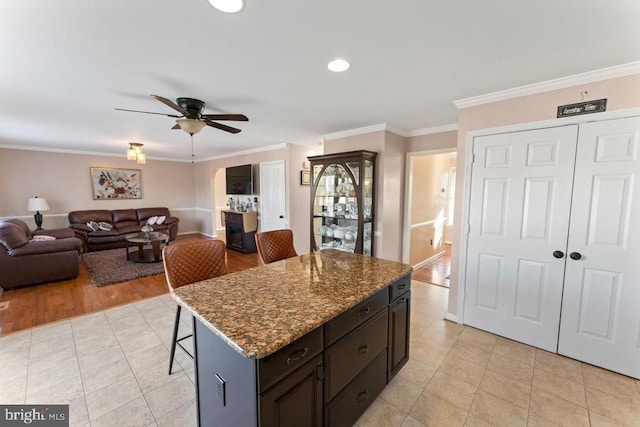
[111, 367]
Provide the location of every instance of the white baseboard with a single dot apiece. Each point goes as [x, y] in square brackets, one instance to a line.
[451, 317]
[428, 260]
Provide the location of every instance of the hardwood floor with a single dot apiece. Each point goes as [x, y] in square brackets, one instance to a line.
[36, 305]
[436, 272]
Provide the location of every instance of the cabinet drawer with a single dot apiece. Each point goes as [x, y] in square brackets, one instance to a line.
[346, 358]
[348, 320]
[273, 368]
[347, 407]
[399, 287]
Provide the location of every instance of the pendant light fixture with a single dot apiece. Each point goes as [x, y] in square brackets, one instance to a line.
[136, 152]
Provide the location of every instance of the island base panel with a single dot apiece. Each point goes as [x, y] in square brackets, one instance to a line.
[233, 402]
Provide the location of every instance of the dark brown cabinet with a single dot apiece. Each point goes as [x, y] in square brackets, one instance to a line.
[399, 319]
[343, 202]
[329, 377]
[296, 400]
[240, 231]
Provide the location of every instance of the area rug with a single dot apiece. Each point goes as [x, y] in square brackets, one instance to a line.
[111, 266]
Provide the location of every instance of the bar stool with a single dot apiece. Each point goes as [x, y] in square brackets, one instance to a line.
[275, 245]
[187, 263]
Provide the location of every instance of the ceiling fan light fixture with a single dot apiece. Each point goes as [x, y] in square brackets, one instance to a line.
[227, 6]
[339, 65]
[190, 126]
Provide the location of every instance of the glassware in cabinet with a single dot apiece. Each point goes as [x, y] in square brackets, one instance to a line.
[342, 201]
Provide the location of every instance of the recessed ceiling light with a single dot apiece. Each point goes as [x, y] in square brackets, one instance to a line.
[227, 6]
[339, 65]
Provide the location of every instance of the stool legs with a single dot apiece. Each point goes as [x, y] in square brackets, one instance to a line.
[174, 341]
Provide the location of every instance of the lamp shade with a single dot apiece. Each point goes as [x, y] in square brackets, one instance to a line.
[190, 126]
[37, 204]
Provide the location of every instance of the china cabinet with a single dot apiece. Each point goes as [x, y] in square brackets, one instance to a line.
[343, 202]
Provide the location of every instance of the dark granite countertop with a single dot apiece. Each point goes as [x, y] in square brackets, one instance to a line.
[261, 310]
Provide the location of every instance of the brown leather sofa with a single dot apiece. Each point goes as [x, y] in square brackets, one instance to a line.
[26, 262]
[122, 221]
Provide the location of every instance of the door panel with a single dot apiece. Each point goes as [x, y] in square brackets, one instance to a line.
[519, 214]
[600, 311]
[532, 275]
[272, 196]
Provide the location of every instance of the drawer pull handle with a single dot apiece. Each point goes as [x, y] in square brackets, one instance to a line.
[320, 371]
[363, 349]
[365, 311]
[402, 286]
[297, 355]
[362, 397]
[401, 301]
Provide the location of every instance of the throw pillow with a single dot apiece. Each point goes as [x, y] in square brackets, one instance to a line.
[104, 226]
[161, 219]
[152, 220]
[41, 238]
[93, 225]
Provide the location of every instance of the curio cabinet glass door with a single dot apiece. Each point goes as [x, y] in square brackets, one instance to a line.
[343, 202]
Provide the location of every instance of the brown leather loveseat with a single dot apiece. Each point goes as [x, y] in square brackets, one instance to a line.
[25, 261]
[122, 222]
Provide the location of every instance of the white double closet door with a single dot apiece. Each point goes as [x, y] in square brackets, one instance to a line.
[553, 249]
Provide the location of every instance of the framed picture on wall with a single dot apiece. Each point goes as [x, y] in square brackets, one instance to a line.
[115, 183]
[305, 177]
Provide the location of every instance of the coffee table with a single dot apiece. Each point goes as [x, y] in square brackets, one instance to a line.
[154, 239]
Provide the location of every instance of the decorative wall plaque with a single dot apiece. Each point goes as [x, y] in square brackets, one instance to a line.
[579, 108]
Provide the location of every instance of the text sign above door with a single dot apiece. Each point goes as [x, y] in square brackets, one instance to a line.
[579, 108]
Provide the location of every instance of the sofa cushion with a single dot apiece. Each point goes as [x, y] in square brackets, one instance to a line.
[126, 226]
[82, 217]
[104, 226]
[145, 213]
[57, 245]
[12, 236]
[129, 229]
[120, 215]
[104, 237]
[152, 220]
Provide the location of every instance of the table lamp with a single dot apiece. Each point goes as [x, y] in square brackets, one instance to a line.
[37, 204]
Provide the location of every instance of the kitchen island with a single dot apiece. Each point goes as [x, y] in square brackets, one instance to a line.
[310, 340]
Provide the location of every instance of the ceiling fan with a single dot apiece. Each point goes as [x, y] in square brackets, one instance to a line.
[191, 119]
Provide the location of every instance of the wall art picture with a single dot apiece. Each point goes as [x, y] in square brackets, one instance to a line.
[114, 183]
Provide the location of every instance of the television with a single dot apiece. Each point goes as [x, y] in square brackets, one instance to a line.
[240, 180]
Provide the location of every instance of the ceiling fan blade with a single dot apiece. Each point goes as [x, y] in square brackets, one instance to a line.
[234, 117]
[222, 127]
[176, 126]
[148, 112]
[170, 103]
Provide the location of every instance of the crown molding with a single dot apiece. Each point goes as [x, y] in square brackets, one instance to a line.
[436, 129]
[243, 152]
[549, 85]
[94, 153]
[81, 152]
[356, 131]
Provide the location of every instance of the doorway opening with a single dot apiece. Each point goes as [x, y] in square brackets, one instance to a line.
[428, 225]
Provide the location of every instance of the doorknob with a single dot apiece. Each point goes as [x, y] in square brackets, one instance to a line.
[558, 254]
[575, 255]
[281, 216]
